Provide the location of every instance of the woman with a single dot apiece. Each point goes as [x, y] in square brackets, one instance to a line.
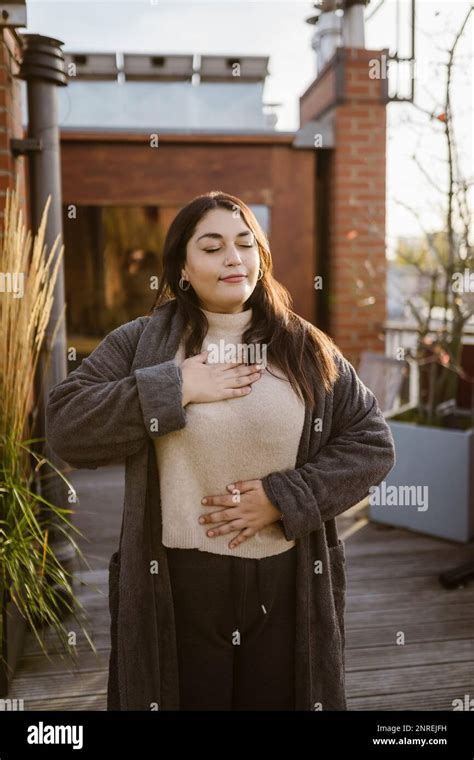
[227, 590]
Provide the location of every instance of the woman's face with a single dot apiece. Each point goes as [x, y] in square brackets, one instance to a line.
[222, 245]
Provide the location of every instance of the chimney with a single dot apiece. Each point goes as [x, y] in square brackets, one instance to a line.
[353, 29]
[339, 23]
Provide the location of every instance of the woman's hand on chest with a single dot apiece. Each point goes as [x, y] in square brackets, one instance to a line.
[204, 383]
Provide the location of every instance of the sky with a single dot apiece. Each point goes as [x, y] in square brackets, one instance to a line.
[278, 29]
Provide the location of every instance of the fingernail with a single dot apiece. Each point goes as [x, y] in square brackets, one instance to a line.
[203, 501]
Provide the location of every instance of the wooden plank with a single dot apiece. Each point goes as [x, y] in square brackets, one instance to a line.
[391, 566]
[381, 539]
[49, 684]
[33, 665]
[370, 658]
[381, 602]
[98, 577]
[453, 677]
[408, 585]
[397, 617]
[435, 699]
[101, 639]
[415, 632]
[96, 702]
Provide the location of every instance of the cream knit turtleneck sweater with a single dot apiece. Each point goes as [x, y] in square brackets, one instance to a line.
[242, 438]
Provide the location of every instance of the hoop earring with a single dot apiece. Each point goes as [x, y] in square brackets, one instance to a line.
[260, 270]
[183, 280]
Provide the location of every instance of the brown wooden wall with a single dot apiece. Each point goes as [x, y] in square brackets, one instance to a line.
[112, 169]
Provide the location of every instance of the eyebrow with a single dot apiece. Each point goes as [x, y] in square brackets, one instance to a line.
[217, 235]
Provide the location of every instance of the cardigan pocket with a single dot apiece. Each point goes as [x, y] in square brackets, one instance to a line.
[113, 700]
[337, 559]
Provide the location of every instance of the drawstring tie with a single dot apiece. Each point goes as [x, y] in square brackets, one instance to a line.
[236, 592]
[259, 593]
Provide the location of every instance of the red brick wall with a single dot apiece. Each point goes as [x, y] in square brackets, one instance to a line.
[357, 264]
[11, 168]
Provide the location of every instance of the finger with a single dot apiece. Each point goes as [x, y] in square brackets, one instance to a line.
[227, 527]
[226, 366]
[243, 373]
[211, 531]
[219, 515]
[246, 369]
[242, 486]
[238, 381]
[219, 500]
[241, 537]
[237, 392]
[202, 357]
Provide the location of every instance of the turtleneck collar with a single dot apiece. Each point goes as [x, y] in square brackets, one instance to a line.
[228, 323]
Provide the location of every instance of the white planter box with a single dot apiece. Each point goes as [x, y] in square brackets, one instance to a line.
[441, 460]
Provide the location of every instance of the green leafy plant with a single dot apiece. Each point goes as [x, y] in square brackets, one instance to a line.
[31, 575]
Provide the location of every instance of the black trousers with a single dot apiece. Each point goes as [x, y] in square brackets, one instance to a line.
[235, 629]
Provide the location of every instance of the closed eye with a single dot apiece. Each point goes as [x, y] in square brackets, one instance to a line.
[241, 245]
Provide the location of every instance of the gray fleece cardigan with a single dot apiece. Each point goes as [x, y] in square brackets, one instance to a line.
[127, 392]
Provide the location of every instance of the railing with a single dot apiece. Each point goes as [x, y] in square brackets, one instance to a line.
[404, 334]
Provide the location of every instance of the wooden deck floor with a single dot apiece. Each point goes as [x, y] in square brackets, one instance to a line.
[392, 590]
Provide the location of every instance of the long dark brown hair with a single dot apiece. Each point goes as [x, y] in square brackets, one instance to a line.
[294, 345]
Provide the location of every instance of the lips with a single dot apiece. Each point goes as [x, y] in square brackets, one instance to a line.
[234, 277]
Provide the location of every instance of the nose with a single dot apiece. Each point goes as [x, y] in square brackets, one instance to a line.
[233, 255]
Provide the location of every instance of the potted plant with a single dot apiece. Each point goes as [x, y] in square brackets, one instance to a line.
[431, 487]
[33, 583]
